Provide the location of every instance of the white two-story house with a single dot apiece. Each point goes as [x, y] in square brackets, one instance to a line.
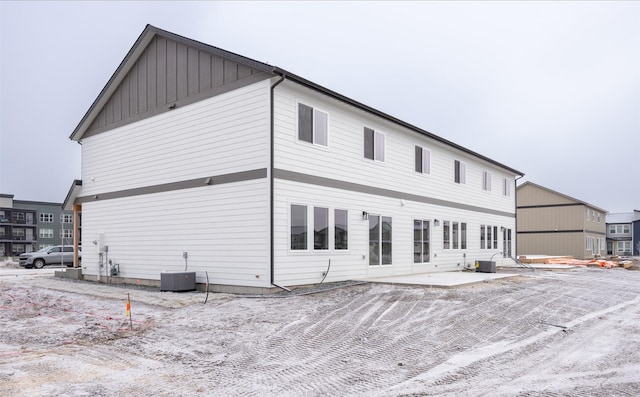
[266, 179]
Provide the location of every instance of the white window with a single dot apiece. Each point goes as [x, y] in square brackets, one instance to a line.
[341, 229]
[619, 229]
[460, 172]
[373, 144]
[320, 228]
[589, 243]
[454, 235]
[66, 218]
[380, 240]
[422, 160]
[446, 235]
[298, 227]
[624, 247]
[506, 187]
[46, 233]
[486, 181]
[66, 233]
[312, 125]
[46, 217]
[421, 242]
[324, 229]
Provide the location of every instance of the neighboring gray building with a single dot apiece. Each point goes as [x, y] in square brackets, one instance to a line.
[27, 226]
[552, 223]
[623, 233]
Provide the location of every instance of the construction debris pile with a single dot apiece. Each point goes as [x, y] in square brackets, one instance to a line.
[569, 260]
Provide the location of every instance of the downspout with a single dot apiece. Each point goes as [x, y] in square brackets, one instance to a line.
[271, 185]
[515, 253]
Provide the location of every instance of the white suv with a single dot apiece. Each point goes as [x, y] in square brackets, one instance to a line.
[55, 255]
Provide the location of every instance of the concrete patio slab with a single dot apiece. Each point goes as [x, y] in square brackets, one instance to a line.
[442, 280]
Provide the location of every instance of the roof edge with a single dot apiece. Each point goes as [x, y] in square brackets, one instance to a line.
[563, 195]
[376, 112]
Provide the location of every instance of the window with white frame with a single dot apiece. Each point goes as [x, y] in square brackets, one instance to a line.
[486, 181]
[46, 217]
[446, 236]
[421, 240]
[45, 233]
[341, 229]
[298, 227]
[380, 240]
[312, 125]
[373, 144]
[619, 229]
[320, 228]
[460, 172]
[327, 233]
[422, 160]
[506, 187]
[66, 233]
[488, 237]
[624, 247]
[66, 218]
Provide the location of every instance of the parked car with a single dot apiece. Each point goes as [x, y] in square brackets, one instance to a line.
[55, 255]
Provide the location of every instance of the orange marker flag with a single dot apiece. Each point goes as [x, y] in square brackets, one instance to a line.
[129, 311]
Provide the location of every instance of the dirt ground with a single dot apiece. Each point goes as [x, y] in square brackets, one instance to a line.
[542, 333]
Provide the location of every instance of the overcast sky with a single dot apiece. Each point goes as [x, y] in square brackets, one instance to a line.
[551, 89]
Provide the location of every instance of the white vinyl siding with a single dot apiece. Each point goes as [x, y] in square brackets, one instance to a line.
[344, 159]
[223, 228]
[220, 135]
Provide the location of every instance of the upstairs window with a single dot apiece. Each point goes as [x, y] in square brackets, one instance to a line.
[312, 125]
[66, 218]
[422, 160]
[486, 181]
[46, 217]
[506, 187]
[373, 144]
[460, 172]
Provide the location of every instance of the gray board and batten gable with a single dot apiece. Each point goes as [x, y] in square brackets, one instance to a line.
[163, 71]
[187, 71]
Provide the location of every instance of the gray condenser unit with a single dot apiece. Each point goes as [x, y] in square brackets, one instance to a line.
[178, 282]
[485, 266]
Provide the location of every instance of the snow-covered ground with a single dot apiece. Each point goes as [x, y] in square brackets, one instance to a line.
[574, 332]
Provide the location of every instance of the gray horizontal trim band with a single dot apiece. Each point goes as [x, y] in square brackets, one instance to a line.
[559, 232]
[355, 187]
[168, 187]
[550, 231]
[550, 205]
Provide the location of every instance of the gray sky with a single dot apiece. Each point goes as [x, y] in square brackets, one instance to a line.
[551, 89]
